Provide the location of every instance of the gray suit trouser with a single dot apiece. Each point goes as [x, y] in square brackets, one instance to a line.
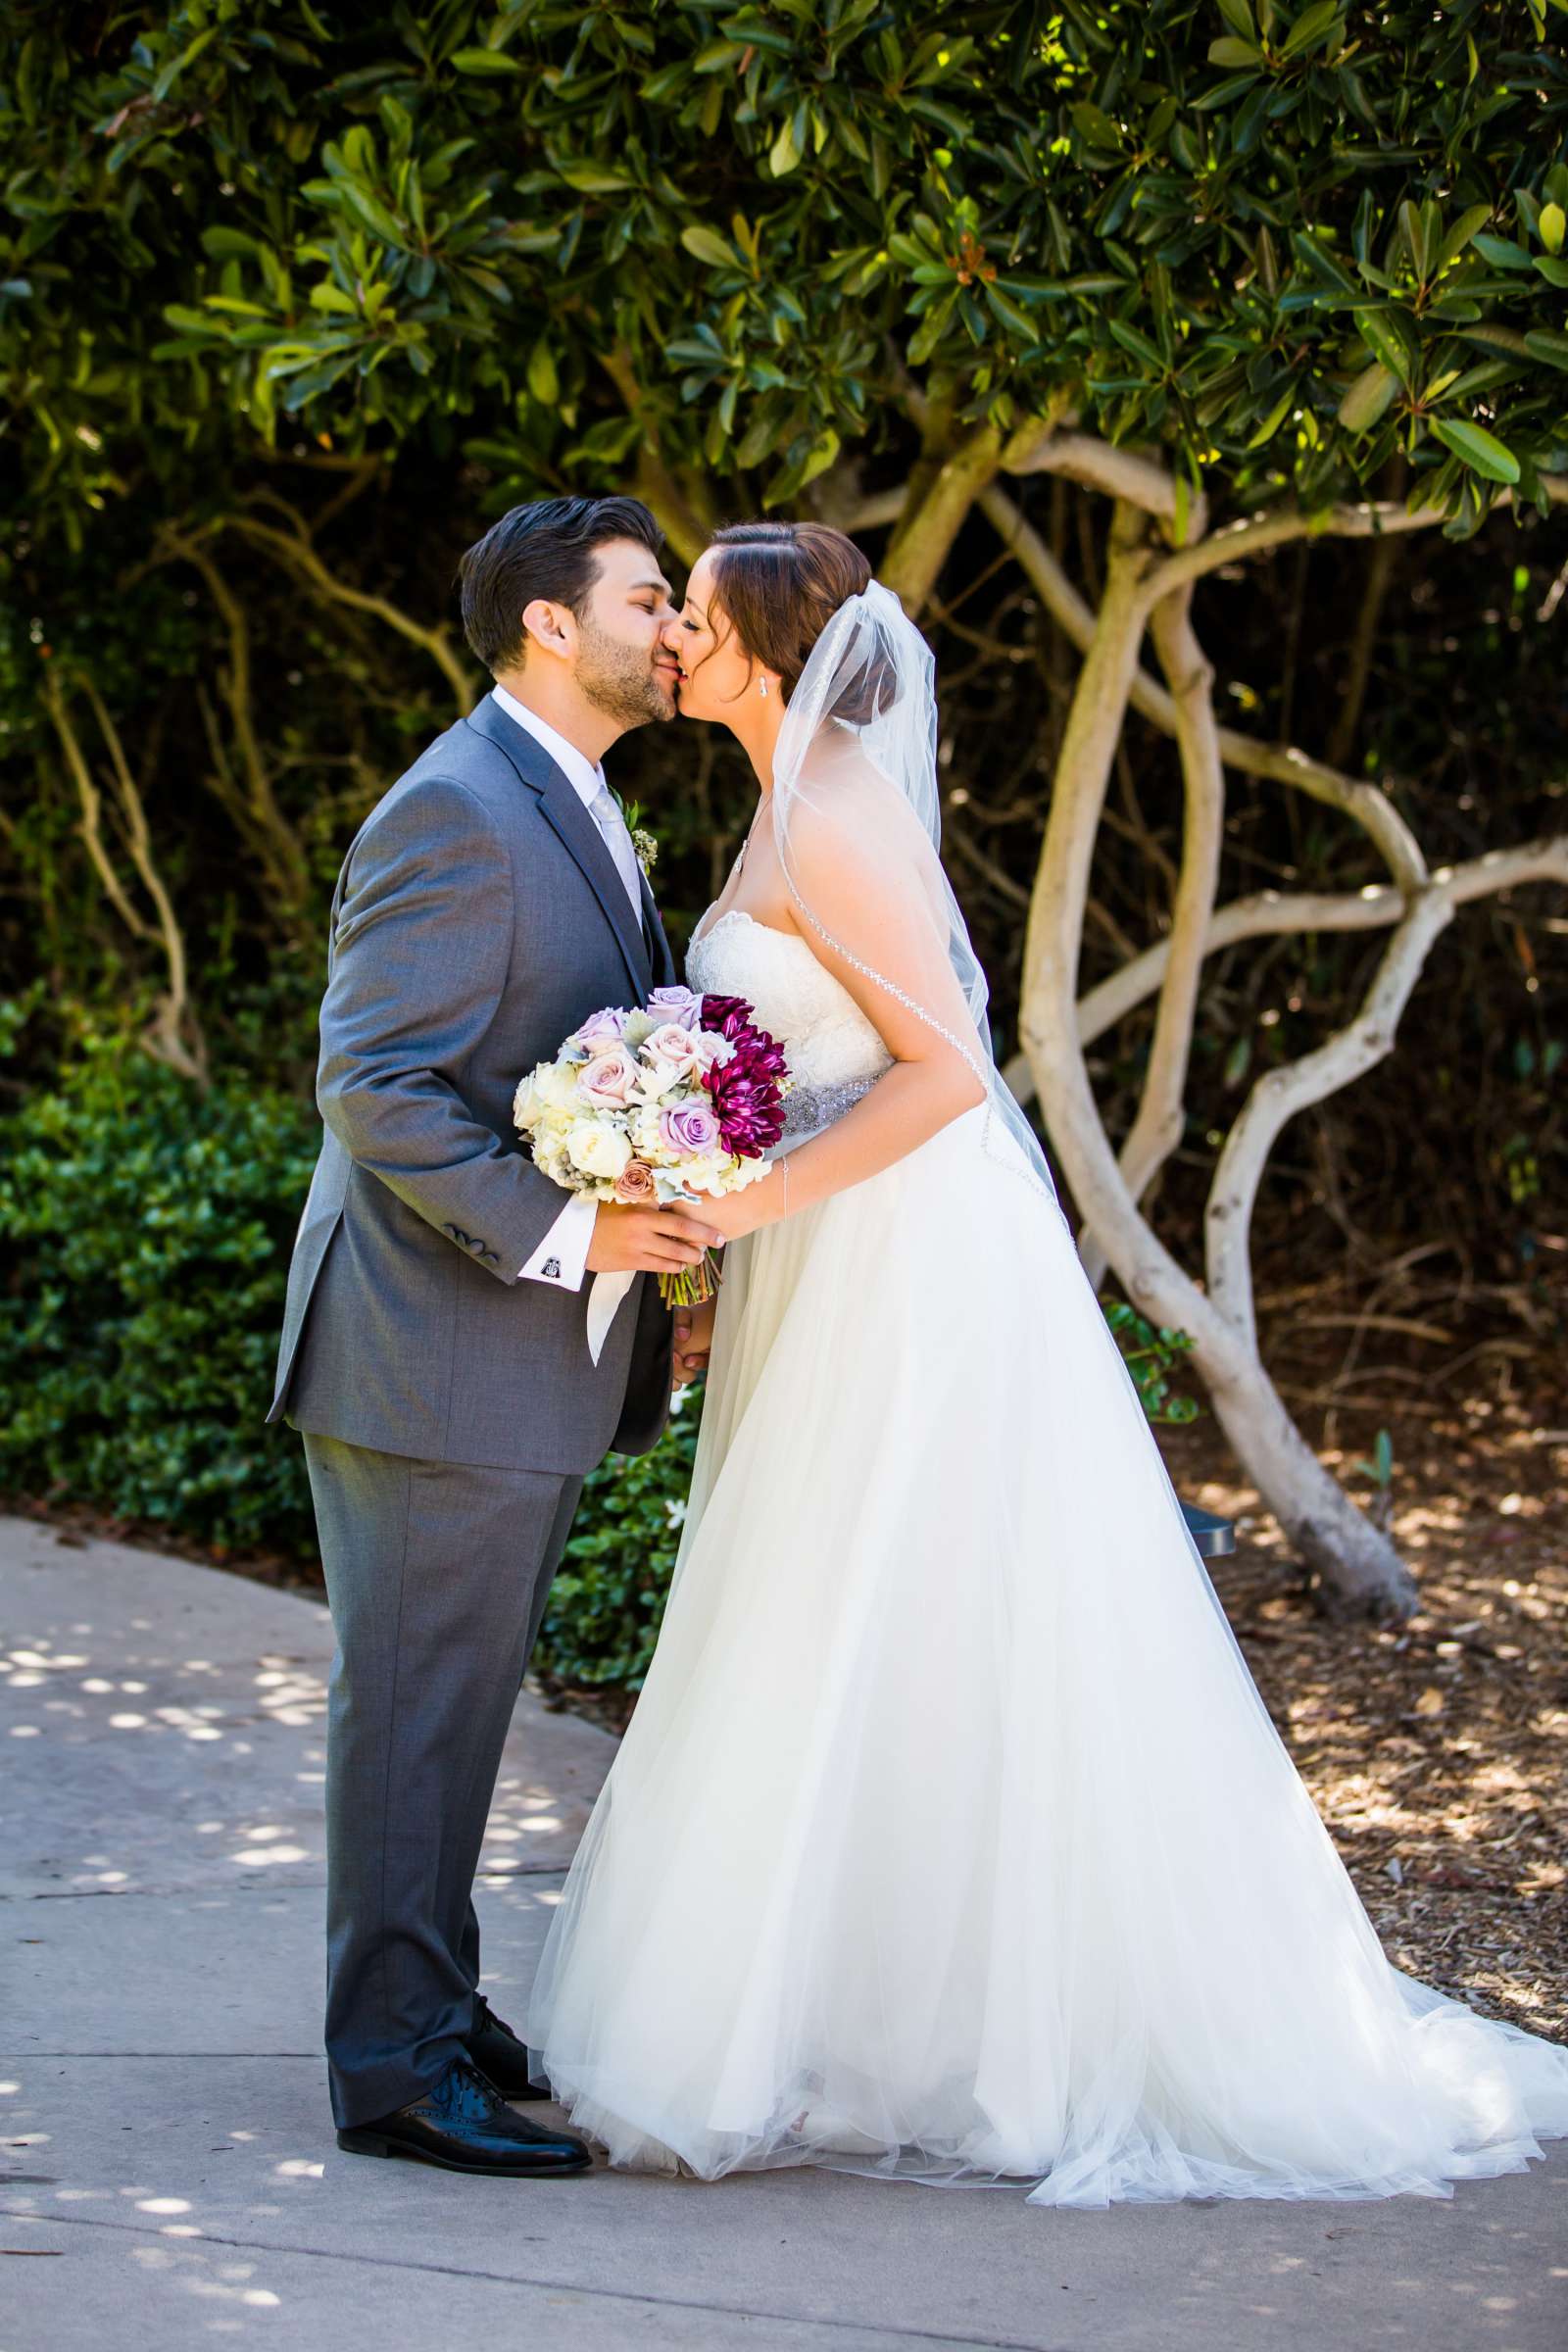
[437, 1574]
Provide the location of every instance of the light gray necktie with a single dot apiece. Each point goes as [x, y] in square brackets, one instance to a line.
[605, 814]
[609, 1290]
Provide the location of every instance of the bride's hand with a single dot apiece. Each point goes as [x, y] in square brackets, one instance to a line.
[694, 1341]
[736, 1215]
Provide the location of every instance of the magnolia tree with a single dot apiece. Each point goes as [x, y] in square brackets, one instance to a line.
[1244, 277]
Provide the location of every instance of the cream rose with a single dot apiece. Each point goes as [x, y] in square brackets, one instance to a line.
[598, 1151]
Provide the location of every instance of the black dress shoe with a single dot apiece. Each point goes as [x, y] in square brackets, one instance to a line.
[500, 2056]
[463, 2125]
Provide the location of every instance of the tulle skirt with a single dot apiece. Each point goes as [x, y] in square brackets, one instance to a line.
[949, 1839]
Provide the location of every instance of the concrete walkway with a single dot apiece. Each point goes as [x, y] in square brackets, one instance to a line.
[167, 2159]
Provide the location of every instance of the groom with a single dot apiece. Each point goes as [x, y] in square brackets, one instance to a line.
[434, 1352]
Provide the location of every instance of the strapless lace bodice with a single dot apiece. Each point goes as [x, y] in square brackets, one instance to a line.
[834, 1053]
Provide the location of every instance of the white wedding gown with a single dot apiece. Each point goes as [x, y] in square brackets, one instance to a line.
[950, 1837]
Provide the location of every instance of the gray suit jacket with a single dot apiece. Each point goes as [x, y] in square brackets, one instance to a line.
[478, 918]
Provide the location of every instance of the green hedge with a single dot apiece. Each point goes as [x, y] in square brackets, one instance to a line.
[145, 1229]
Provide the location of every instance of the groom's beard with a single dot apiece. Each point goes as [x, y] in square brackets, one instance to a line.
[621, 681]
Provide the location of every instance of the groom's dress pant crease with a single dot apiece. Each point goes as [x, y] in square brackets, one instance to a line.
[437, 1574]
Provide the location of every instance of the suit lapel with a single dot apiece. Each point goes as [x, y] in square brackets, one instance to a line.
[565, 811]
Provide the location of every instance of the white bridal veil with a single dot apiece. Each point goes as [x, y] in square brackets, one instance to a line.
[857, 822]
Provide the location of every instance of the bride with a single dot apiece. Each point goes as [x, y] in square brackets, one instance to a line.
[950, 1837]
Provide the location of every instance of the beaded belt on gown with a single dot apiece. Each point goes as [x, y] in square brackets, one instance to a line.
[808, 1109]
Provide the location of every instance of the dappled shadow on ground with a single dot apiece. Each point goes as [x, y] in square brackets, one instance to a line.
[209, 2195]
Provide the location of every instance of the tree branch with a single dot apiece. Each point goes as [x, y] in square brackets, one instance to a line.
[174, 1020]
[295, 550]
[1370, 807]
[1281, 1092]
[1270, 913]
[939, 500]
[1156, 1129]
[1041, 447]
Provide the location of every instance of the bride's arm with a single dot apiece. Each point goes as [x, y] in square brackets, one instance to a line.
[863, 899]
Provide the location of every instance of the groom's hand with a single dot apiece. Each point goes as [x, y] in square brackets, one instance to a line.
[647, 1241]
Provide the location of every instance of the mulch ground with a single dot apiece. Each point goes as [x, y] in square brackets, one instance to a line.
[1437, 1752]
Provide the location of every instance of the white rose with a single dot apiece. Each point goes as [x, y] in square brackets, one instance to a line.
[556, 1085]
[598, 1151]
[527, 1104]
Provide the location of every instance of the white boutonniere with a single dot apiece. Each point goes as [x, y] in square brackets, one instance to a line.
[642, 841]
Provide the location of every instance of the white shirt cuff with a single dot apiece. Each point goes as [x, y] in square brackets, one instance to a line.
[561, 1257]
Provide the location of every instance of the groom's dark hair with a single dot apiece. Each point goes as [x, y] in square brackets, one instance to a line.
[543, 549]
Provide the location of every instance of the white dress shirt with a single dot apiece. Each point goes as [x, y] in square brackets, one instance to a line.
[561, 1257]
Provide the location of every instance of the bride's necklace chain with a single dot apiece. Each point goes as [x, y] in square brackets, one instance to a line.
[739, 867]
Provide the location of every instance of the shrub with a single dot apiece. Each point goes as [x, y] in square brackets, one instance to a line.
[608, 1596]
[145, 1227]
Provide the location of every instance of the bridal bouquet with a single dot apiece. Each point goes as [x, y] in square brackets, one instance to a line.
[678, 1098]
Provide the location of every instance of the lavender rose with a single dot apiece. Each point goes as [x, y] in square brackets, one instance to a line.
[610, 1081]
[688, 1129]
[683, 1006]
[602, 1029]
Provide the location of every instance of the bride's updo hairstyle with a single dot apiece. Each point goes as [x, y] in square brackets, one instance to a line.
[780, 584]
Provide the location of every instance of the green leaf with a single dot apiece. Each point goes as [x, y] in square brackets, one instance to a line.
[1391, 337]
[542, 382]
[708, 246]
[594, 179]
[1459, 235]
[1011, 316]
[369, 214]
[1274, 419]
[170, 74]
[785, 152]
[1239, 17]
[1546, 345]
[1322, 262]
[762, 437]
[1552, 223]
[1312, 28]
[1228, 51]
[229, 244]
[1502, 253]
[1139, 345]
[1368, 398]
[821, 456]
[1478, 449]
[193, 322]
[483, 61]
[1096, 128]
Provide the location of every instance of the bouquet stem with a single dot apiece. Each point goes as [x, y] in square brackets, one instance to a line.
[693, 1286]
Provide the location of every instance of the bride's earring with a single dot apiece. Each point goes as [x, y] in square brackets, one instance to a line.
[761, 685]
